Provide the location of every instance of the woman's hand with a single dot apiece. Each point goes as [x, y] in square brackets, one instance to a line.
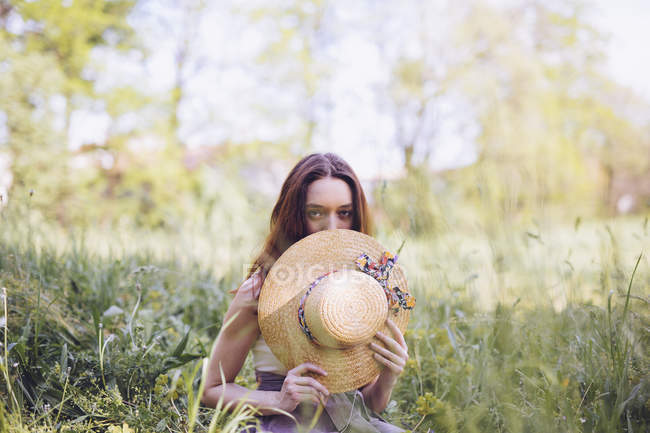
[393, 357]
[297, 388]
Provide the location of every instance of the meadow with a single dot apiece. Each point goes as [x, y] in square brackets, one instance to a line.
[144, 143]
[517, 329]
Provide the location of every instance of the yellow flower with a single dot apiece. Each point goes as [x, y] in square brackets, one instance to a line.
[427, 404]
[412, 363]
[117, 429]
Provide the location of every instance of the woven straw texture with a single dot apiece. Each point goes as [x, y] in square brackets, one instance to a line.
[361, 313]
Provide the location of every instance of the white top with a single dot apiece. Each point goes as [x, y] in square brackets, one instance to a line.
[264, 360]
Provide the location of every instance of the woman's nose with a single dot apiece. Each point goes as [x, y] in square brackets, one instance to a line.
[331, 222]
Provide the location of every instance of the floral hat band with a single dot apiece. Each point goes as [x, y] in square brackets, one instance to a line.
[380, 271]
[301, 309]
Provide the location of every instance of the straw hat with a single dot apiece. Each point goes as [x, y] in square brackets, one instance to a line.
[324, 300]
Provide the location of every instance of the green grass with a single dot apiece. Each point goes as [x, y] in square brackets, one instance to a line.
[529, 329]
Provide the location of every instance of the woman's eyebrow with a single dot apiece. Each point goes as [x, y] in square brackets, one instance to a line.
[321, 206]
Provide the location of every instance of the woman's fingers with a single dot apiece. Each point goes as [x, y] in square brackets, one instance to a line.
[309, 381]
[305, 388]
[393, 345]
[395, 354]
[313, 398]
[398, 360]
[391, 365]
[307, 393]
[297, 388]
[397, 333]
[307, 367]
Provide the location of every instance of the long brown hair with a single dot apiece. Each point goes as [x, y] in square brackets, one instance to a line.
[288, 221]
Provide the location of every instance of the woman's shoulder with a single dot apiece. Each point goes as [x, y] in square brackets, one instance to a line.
[245, 300]
[251, 287]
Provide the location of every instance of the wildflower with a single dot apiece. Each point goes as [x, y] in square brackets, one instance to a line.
[426, 404]
[161, 382]
[411, 363]
[117, 429]
[442, 413]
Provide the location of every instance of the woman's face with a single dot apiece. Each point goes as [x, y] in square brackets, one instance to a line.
[328, 205]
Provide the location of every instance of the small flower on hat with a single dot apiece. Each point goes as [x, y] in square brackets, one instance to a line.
[380, 271]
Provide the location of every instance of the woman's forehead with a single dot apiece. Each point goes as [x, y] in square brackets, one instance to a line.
[329, 191]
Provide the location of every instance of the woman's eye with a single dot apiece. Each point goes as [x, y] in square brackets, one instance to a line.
[345, 213]
[314, 213]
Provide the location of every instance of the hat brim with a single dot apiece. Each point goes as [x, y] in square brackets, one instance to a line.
[287, 281]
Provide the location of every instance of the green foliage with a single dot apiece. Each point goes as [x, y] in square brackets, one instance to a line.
[92, 341]
[71, 31]
[27, 84]
[112, 342]
[442, 417]
[550, 131]
[47, 74]
[523, 371]
[409, 205]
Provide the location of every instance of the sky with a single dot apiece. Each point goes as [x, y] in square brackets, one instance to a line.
[628, 25]
[352, 125]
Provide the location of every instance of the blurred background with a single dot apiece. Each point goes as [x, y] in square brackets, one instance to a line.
[143, 144]
[182, 118]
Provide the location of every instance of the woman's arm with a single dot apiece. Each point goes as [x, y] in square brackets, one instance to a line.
[234, 341]
[230, 351]
[376, 394]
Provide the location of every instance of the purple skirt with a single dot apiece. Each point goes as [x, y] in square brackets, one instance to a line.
[344, 412]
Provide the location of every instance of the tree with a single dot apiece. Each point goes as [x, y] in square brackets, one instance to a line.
[28, 84]
[69, 31]
[48, 73]
[292, 60]
[524, 68]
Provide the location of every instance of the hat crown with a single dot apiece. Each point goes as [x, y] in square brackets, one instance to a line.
[345, 309]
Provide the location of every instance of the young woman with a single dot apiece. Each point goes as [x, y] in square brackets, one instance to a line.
[321, 192]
